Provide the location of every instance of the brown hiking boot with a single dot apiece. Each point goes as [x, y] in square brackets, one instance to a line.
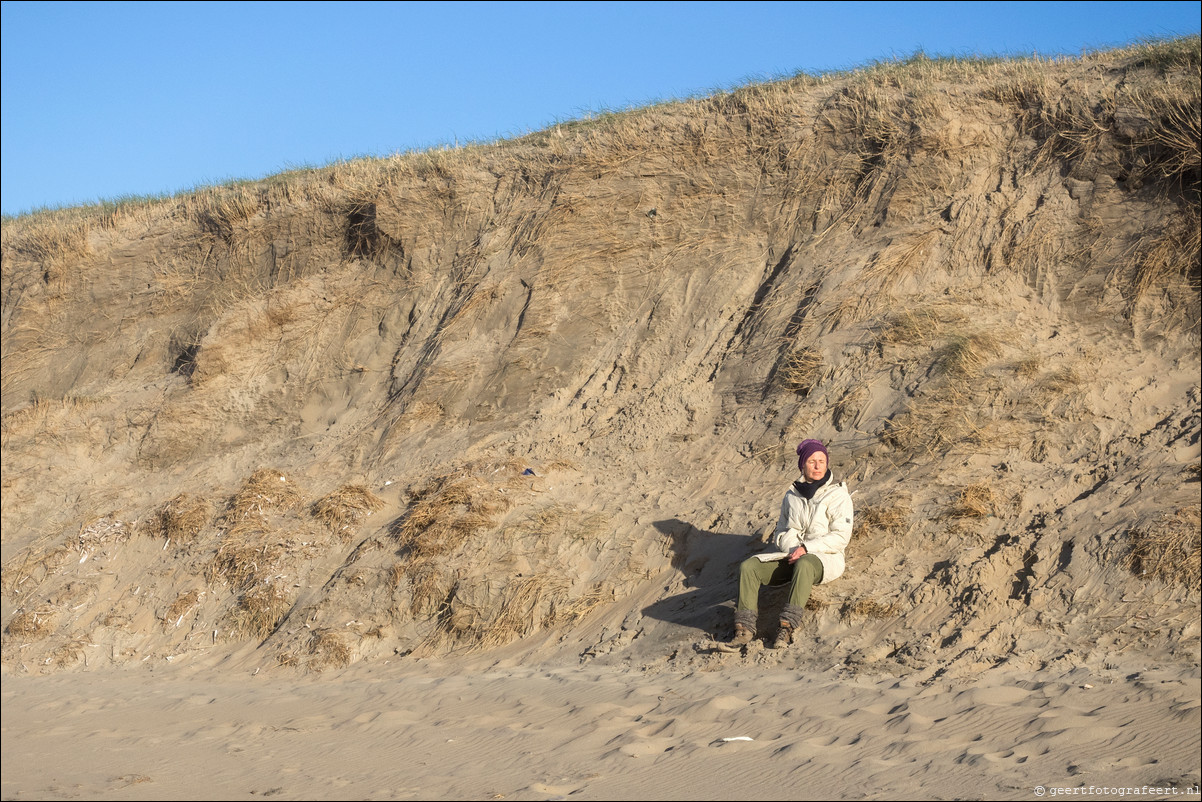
[743, 636]
[784, 637]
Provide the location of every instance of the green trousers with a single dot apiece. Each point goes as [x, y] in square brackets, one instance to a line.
[801, 576]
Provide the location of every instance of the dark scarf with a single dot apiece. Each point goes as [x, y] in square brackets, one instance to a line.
[807, 489]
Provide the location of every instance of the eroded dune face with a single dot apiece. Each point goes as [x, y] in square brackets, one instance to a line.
[544, 394]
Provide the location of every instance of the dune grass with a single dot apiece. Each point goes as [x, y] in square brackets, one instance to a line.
[837, 157]
[1170, 549]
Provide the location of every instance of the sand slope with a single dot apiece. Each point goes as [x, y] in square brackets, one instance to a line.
[481, 435]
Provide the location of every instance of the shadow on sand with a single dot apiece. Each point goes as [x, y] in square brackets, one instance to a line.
[710, 564]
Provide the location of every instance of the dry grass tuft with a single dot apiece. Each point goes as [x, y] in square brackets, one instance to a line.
[1170, 549]
[555, 525]
[184, 604]
[935, 424]
[49, 237]
[1057, 382]
[258, 612]
[25, 572]
[182, 519]
[254, 547]
[965, 356]
[32, 624]
[849, 406]
[250, 552]
[430, 586]
[1165, 54]
[343, 510]
[1029, 367]
[918, 326]
[571, 610]
[71, 652]
[446, 512]
[891, 521]
[974, 501]
[328, 649]
[1172, 254]
[802, 370]
[267, 490]
[524, 607]
[901, 259]
[1168, 125]
[867, 608]
[225, 211]
[99, 530]
[476, 611]
[527, 604]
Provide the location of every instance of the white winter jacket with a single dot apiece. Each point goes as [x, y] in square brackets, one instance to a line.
[821, 524]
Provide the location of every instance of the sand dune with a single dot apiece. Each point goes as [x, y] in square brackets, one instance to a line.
[427, 477]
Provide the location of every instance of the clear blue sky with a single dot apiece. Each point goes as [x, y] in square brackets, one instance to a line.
[109, 99]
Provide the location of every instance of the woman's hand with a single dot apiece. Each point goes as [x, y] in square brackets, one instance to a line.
[797, 554]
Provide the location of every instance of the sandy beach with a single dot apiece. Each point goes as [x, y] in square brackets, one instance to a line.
[434, 730]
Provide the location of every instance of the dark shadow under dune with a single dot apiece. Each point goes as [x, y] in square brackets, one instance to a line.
[710, 564]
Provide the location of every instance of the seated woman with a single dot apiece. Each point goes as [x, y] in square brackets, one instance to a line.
[811, 536]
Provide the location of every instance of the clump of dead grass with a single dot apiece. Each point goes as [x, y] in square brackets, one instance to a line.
[258, 611]
[1162, 54]
[866, 608]
[918, 326]
[802, 370]
[446, 512]
[974, 501]
[1170, 549]
[344, 509]
[99, 530]
[182, 518]
[477, 611]
[267, 490]
[1167, 256]
[32, 624]
[259, 538]
[1029, 367]
[173, 616]
[901, 259]
[430, 585]
[1060, 380]
[965, 356]
[1167, 125]
[30, 568]
[49, 237]
[253, 551]
[328, 649]
[849, 406]
[892, 520]
[568, 610]
[937, 423]
[225, 211]
[526, 605]
[71, 652]
[553, 525]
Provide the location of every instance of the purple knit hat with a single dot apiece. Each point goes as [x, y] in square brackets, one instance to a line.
[807, 449]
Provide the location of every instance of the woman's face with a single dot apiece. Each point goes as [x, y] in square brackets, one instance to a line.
[815, 467]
